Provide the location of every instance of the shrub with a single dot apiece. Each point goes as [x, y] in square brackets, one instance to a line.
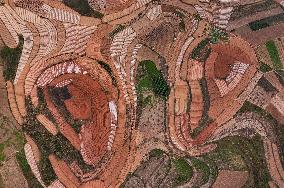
[257, 25]
[11, 59]
[160, 87]
[202, 51]
[46, 171]
[156, 153]
[118, 29]
[149, 77]
[265, 68]
[201, 166]
[216, 35]
[49, 144]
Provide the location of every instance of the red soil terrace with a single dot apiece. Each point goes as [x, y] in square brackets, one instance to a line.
[89, 102]
[227, 55]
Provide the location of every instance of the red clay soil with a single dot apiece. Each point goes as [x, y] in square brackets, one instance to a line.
[89, 102]
[94, 136]
[227, 54]
[220, 107]
[238, 50]
[116, 6]
[64, 173]
[80, 103]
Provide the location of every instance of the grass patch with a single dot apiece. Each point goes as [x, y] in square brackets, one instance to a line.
[274, 55]
[183, 169]
[150, 84]
[26, 169]
[238, 153]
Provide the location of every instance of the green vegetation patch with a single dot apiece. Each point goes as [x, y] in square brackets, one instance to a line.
[156, 153]
[244, 154]
[11, 59]
[257, 25]
[277, 127]
[26, 169]
[150, 79]
[249, 107]
[49, 144]
[181, 21]
[205, 119]
[83, 8]
[264, 68]
[218, 35]
[203, 167]
[42, 138]
[274, 55]
[183, 169]
[202, 51]
[2, 155]
[16, 141]
[266, 22]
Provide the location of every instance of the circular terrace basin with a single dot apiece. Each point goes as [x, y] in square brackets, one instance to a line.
[233, 63]
[227, 56]
[86, 101]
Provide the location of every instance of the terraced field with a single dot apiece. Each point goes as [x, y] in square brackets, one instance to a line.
[141, 93]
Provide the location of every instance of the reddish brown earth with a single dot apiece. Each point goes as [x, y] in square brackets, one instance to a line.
[89, 102]
[236, 50]
[227, 55]
[80, 104]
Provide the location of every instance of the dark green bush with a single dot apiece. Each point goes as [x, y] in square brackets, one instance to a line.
[217, 35]
[11, 59]
[265, 68]
[257, 25]
[83, 8]
[202, 51]
[118, 29]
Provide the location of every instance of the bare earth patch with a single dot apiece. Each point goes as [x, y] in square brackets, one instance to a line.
[232, 179]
